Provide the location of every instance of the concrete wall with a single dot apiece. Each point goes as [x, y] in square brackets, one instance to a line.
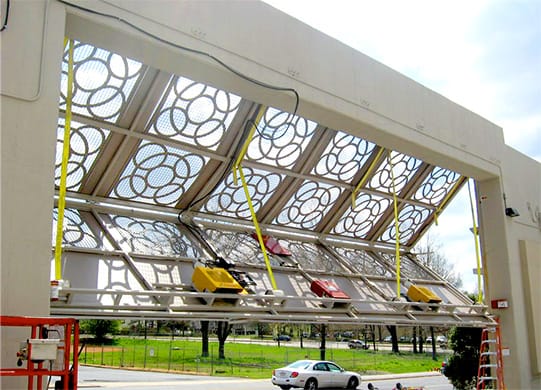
[31, 52]
[339, 87]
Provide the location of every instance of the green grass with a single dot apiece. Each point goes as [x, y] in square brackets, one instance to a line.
[242, 360]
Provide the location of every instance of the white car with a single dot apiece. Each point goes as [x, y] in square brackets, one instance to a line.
[441, 340]
[357, 344]
[314, 374]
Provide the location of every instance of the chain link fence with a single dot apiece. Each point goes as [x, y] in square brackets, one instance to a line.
[251, 360]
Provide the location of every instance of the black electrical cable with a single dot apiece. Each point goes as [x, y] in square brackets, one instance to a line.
[199, 235]
[6, 17]
[287, 122]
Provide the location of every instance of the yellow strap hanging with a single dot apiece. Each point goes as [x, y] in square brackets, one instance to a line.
[396, 226]
[238, 167]
[365, 177]
[477, 251]
[64, 166]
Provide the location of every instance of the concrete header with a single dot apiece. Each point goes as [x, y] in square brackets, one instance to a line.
[338, 86]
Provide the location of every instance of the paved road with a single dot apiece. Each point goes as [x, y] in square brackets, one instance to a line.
[106, 378]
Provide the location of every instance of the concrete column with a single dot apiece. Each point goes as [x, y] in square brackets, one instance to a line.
[31, 57]
[503, 280]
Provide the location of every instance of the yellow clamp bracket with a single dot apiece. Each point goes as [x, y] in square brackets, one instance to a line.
[365, 177]
[238, 167]
[64, 166]
[477, 251]
[449, 195]
[396, 226]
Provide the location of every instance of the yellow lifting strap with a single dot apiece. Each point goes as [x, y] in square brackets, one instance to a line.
[64, 166]
[477, 251]
[365, 177]
[396, 226]
[238, 167]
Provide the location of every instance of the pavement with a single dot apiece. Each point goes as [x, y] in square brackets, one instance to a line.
[383, 377]
[96, 378]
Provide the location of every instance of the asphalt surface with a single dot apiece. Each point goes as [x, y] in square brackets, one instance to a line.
[108, 378]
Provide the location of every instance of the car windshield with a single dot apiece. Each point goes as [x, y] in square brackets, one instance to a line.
[300, 364]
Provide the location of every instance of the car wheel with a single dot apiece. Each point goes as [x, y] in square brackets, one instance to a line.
[285, 387]
[353, 383]
[311, 384]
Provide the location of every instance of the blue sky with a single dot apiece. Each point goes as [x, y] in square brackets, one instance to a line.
[484, 55]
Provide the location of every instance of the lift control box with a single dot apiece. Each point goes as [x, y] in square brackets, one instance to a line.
[422, 294]
[43, 349]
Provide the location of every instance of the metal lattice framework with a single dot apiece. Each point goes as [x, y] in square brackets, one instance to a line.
[151, 192]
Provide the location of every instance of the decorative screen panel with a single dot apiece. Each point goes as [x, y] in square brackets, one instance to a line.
[344, 157]
[158, 174]
[280, 139]
[309, 205]
[313, 257]
[362, 262]
[239, 248]
[403, 168]
[410, 218]
[157, 273]
[172, 134]
[408, 268]
[155, 237]
[114, 275]
[359, 221]
[102, 84]
[195, 113]
[86, 143]
[436, 186]
[229, 198]
[77, 232]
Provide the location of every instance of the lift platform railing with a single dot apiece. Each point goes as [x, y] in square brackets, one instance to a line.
[80, 303]
[50, 339]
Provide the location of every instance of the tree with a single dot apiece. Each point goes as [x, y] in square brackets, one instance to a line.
[177, 327]
[461, 368]
[100, 328]
[223, 331]
[414, 339]
[394, 338]
[429, 253]
[204, 338]
[433, 338]
[322, 345]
